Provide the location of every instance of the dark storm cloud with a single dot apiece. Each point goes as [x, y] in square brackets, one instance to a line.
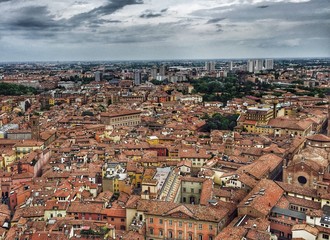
[215, 20]
[113, 6]
[263, 6]
[141, 33]
[33, 18]
[107, 9]
[152, 14]
[35, 22]
[253, 27]
[219, 27]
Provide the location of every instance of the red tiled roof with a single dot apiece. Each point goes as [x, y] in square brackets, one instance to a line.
[263, 203]
[319, 138]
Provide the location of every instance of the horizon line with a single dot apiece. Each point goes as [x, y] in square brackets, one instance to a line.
[163, 60]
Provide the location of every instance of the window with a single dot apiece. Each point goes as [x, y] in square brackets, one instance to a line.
[170, 222]
[160, 221]
[151, 231]
[151, 220]
[210, 237]
[200, 226]
[184, 189]
[190, 236]
[192, 190]
[325, 236]
[200, 237]
[210, 227]
[122, 227]
[180, 224]
[161, 233]
[170, 234]
[302, 180]
[190, 225]
[294, 208]
[180, 235]
[122, 220]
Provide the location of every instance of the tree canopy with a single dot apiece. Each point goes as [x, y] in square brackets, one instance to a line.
[222, 89]
[10, 89]
[220, 122]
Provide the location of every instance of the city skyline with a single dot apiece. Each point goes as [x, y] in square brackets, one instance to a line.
[149, 30]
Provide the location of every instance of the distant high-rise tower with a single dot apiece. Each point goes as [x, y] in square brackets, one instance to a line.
[162, 71]
[269, 64]
[250, 66]
[231, 66]
[209, 66]
[137, 77]
[258, 65]
[153, 72]
[98, 76]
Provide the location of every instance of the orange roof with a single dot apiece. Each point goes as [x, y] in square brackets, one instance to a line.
[250, 122]
[265, 201]
[319, 138]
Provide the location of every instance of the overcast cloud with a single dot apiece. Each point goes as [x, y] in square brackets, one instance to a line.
[172, 29]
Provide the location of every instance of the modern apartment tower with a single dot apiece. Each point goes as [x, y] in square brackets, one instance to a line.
[162, 71]
[153, 72]
[269, 64]
[210, 66]
[250, 66]
[137, 77]
[258, 65]
[231, 66]
[98, 76]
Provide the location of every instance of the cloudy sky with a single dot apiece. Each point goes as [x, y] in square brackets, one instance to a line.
[162, 29]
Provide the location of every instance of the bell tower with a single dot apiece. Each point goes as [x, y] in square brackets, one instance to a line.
[35, 128]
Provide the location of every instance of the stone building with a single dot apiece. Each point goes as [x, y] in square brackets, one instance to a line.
[309, 167]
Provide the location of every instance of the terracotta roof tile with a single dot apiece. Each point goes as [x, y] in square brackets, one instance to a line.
[266, 200]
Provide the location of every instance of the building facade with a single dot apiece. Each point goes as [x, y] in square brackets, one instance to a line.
[123, 118]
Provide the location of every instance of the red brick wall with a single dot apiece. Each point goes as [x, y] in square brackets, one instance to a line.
[175, 228]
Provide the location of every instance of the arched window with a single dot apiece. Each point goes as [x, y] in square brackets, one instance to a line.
[170, 234]
[190, 236]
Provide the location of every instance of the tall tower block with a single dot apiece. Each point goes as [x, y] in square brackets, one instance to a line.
[35, 128]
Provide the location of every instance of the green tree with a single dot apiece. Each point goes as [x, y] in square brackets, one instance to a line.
[219, 122]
